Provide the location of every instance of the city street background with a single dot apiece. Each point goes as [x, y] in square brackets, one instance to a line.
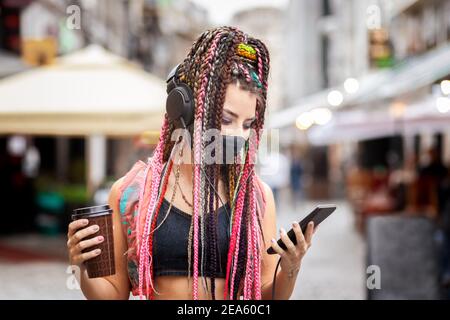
[358, 114]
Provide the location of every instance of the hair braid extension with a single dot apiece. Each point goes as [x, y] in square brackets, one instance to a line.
[217, 92]
[215, 245]
[149, 243]
[211, 72]
[211, 240]
[243, 262]
[198, 123]
[242, 254]
[146, 203]
[248, 281]
[236, 230]
[208, 195]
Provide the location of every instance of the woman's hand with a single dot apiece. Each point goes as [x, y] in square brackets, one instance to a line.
[75, 244]
[292, 257]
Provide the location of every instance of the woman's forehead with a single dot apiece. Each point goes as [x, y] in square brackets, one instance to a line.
[240, 101]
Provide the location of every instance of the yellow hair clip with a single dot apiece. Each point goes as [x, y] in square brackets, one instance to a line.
[246, 51]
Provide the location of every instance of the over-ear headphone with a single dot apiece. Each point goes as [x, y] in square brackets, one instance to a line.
[180, 100]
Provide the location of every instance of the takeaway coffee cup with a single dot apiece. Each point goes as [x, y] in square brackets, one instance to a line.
[103, 264]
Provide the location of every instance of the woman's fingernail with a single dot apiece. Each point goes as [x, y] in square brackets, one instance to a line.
[85, 222]
[100, 238]
[97, 251]
[273, 240]
[95, 228]
[294, 224]
[282, 230]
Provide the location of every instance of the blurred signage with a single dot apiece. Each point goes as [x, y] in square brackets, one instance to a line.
[37, 52]
[380, 49]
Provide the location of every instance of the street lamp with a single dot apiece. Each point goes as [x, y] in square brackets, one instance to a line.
[445, 87]
[443, 104]
[321, 116]
[304, 121]
[335, 98]
[351, 85]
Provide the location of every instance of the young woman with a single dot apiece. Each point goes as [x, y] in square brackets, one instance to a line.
[190, 229]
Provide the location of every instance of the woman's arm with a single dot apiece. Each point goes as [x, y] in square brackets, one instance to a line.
[286, 277]
[116, 286]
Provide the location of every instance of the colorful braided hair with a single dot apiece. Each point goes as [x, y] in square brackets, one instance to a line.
[220, 56]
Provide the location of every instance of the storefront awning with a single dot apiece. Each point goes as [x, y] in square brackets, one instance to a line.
[405, 78]
[88, 92]
[357, 125]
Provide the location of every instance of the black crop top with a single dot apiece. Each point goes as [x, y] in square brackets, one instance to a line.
[170, 241]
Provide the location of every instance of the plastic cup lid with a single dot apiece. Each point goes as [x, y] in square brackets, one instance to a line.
[105, 208]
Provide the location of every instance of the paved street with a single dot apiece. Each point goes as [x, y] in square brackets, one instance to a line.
[332, 269]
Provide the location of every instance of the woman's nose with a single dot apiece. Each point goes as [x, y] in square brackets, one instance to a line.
[236, 131]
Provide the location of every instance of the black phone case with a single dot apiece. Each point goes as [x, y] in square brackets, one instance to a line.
[319, 214]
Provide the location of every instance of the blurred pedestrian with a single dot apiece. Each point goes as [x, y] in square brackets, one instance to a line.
[296, 175]
[430, 179]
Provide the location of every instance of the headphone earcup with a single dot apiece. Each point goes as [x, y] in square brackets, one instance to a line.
[188, 113]
[180, 104]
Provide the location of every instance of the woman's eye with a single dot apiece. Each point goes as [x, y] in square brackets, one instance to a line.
[248, 125]
[226, 121]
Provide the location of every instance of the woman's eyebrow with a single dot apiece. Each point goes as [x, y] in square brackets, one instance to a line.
[235, 115]
[231, 112]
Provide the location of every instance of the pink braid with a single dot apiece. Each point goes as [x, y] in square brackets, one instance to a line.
[198, 124]
[234, 241]
[256, 256]
[260, 67]
[156, 167]
[255, 229]
[238, 210]
[245, 71]
[233, 238]
[248, 273]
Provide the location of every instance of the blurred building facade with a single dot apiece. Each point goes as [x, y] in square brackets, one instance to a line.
[155, 35]
[394, 54]
[379, 71]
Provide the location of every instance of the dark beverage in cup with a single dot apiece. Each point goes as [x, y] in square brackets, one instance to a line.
[103, 264]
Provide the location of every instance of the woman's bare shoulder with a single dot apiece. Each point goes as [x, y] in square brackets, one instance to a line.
[268, 193]
[115, 189]
[267, 190]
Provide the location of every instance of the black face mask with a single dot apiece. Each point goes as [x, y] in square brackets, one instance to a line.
[231, 146]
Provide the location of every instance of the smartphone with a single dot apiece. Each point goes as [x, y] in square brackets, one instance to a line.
[320, 213]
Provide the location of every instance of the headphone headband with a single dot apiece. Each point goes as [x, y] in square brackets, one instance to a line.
[172, 79]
